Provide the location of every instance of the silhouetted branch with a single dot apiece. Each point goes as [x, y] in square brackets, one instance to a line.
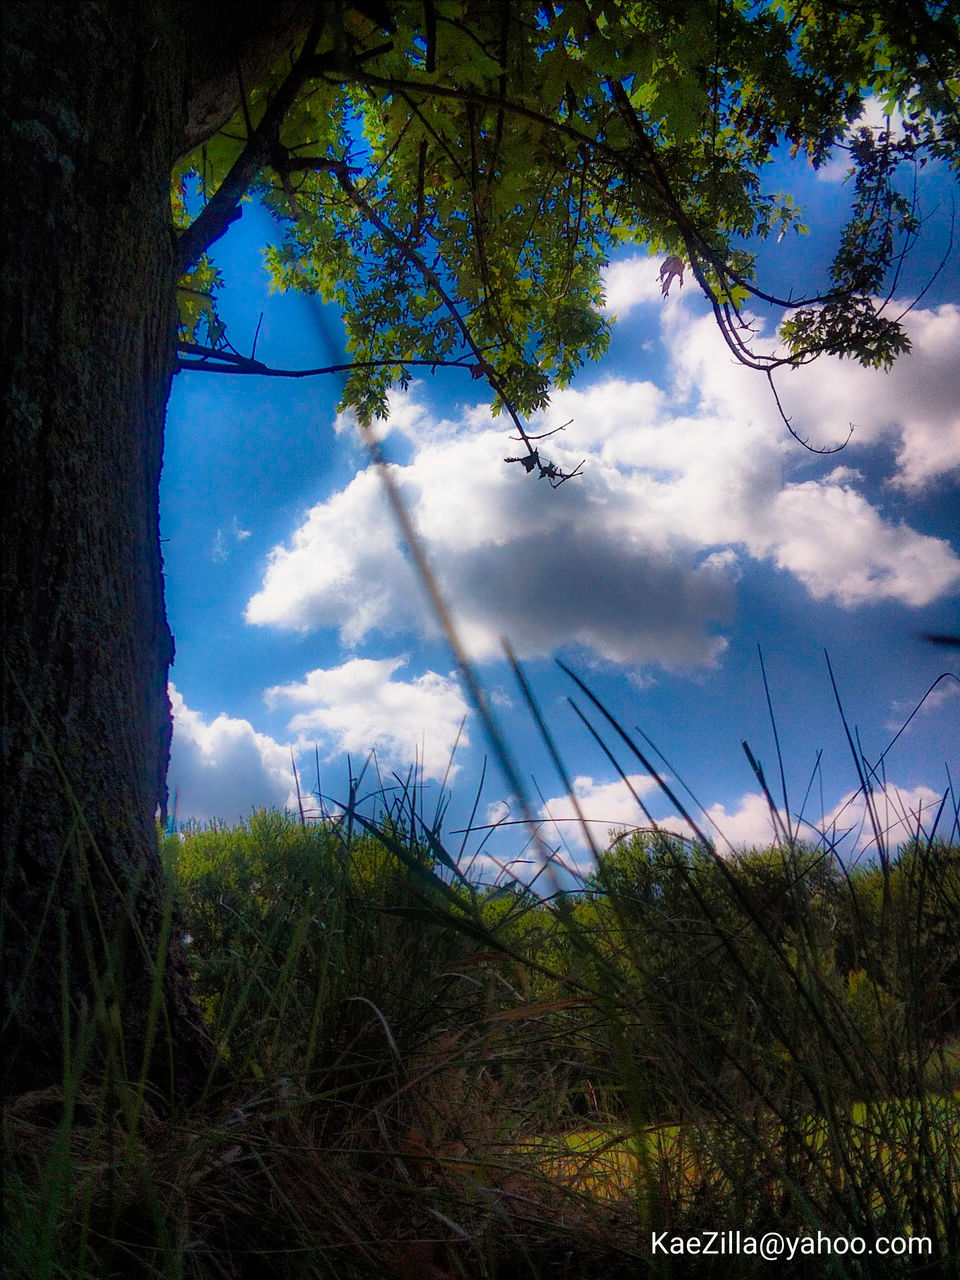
[833, 448]
[216, 360]
[223, 207]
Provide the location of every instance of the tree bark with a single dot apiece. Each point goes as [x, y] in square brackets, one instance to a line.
[94, 95]
[99, 100]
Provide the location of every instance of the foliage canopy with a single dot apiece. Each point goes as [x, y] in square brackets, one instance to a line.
[454, 175]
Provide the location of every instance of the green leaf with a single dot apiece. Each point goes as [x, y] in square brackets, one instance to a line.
[481, 199]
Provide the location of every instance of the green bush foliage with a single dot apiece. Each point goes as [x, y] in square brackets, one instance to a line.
[434, 1073]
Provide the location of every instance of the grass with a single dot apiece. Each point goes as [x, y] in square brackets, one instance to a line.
[429, 1077]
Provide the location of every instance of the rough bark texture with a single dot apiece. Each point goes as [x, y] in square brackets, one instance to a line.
[94, 96]
[227, 44]
[99, 99]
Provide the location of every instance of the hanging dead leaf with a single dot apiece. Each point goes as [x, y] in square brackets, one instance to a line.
[673, 267]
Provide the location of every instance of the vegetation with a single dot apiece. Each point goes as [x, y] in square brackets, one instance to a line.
[454, 177]
[426, 1076]
[400, 1071]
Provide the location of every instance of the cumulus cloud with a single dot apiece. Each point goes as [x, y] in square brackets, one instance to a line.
[555, 843]
[606, 807]
[343, 566]
[749, 825]
[609, 806]
[945, 691]
[901, 814]
[514, 557]
[874, 117]
[637, 561]
[915, 407]
[630, 282]
[359, 706]
[830, 538]
[223, 768]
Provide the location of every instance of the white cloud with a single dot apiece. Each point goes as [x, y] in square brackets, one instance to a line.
[555, 842]
[606, 807]
[900, 812]
[747, 826]
[637, 560]
[871, 117]
[223, 541]
[847, 825]
[514, 557]
[630, 282]
[830, 538]
[750, 824]
[223, 768]
[343, 567]
[358, 707]
[610, 806]
[915, 407]
[904, 709]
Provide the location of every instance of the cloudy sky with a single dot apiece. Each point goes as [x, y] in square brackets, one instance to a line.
[699, 535]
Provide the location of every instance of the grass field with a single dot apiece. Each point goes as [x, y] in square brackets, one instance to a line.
[435, 1078]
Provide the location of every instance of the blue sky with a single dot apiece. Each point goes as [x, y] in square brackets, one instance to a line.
[698, 533]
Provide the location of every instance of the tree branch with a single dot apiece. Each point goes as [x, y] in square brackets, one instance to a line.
[350, 189]
[223, 208]
[546, 470]
[652, 176]
[805, 441]
[214, 360]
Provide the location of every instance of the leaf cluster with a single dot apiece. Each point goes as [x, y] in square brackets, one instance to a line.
[457, 187]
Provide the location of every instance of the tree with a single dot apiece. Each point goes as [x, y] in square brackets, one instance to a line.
[99, 102]
[454, 175]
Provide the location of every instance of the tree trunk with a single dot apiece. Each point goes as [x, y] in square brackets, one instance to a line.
[99, 100]
[93, 116]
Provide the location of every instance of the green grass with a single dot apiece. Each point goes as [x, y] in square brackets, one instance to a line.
[435, 1078]
[610, 1163]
